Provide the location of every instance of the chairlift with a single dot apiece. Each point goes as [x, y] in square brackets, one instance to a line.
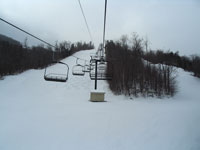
[101, 67]
[86, 67]
[92, 66]
[52, 75]
[93, 55]
[92, 63]
[102, 71]
[77, 70]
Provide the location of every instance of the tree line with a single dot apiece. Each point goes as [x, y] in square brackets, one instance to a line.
[191, 63]
[133, 75]
[16, 58]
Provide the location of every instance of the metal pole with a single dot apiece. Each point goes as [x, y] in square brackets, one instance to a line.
[95, 85]
[104, 29]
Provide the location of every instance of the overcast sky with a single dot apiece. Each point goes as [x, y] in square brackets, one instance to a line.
[168, 24]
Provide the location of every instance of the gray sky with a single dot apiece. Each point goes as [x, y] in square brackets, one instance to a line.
[168, 24]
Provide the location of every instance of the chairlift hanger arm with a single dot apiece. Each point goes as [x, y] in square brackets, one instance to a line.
[79, 58]
[60, 62]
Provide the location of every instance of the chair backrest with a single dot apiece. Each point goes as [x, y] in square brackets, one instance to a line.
[77, 70]
[102, 72]
[57, 77]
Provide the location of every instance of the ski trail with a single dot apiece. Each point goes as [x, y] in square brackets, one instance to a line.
[36, 114]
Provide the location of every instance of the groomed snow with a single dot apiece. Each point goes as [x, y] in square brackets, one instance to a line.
[40, 115]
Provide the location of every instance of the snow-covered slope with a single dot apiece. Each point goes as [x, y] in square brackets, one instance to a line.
[40, 115]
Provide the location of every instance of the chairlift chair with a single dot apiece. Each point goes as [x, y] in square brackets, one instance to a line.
[57, 77]
[86, 67]
[77, 70]
[92, 66]
[102, 72]
[94, 57]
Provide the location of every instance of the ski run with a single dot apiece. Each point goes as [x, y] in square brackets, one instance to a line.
[40, 115]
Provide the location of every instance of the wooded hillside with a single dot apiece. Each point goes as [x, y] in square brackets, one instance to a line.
[15, 58]
[132, 75]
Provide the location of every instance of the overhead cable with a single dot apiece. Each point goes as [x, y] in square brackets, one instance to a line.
[27, 33]
[85, 20]
[34, 36]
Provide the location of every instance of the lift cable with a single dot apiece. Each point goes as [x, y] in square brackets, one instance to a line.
[85, 20]
[27, 33]
[34, 36]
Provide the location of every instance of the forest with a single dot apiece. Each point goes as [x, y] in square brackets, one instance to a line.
[16, 58]
[191, 63]
[139, 71]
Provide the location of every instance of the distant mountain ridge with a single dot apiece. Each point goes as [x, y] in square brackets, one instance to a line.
[9, 39]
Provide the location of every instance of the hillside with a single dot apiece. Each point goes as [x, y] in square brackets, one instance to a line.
[40, 115]
[8, 39]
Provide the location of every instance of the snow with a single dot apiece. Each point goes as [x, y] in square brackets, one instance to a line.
[97, 91]
[40, 115]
